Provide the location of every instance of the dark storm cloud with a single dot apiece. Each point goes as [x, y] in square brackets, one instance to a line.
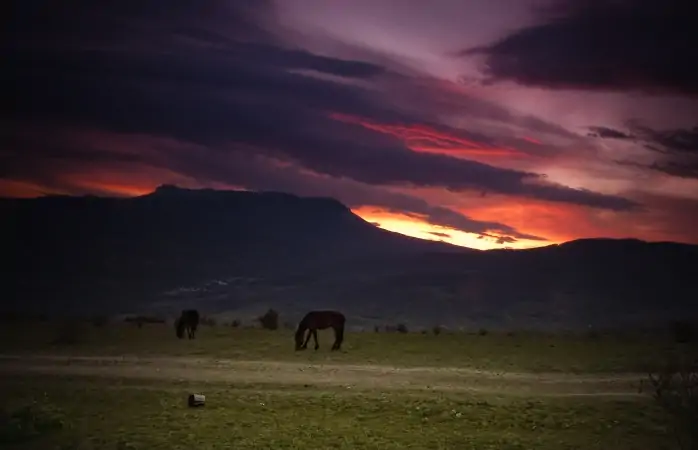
[231, 90]
[498, 239]
[199, 162]
[681, 141]
[676, 150]
[608, 133]
[685, 169]
[42, 23]
[439, 234]
[640, 45]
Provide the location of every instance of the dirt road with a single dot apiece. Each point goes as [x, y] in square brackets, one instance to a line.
[329, 375]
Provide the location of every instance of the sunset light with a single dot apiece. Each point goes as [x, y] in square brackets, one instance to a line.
[419, 228]
[357, 224]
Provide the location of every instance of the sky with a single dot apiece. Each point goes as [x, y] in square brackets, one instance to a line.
[486, 123]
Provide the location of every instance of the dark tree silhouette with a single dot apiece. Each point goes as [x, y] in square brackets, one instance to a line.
[270, 320]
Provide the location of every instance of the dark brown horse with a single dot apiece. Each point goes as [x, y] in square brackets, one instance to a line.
[320, 320]
[189, 321]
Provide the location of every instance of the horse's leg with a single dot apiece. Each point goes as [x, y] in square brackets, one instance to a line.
[305, 344]
[338, 338]
[317, 346]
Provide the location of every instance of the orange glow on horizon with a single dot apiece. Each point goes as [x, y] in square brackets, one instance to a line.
[562, 223]
[555, 222]
[133, 187]
[420, 228]
[24, 189]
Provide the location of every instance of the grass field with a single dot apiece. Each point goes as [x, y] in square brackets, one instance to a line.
[122, 387]
[520, 352]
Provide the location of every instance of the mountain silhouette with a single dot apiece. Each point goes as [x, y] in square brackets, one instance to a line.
[243, 252]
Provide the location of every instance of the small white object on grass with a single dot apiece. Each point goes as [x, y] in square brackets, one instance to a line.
[196, 400]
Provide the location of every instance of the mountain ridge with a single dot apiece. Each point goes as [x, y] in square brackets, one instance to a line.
[179, 247]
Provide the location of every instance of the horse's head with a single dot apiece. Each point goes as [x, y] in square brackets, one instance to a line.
[299, 338]
[179, 328]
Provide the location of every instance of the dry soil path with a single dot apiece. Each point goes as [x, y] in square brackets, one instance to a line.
[348, 376]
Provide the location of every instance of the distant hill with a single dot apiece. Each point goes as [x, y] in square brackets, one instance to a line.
[88, 252]
[240, 253]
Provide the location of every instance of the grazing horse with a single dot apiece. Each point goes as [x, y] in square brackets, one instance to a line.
[319, 320]
[188, 320]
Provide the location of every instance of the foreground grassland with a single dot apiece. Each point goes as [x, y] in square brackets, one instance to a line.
[520, 352]
[104, 413]
[119, 387]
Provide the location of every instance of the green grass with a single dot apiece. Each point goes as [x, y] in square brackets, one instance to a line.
[522, 352]
[109, 412]
[98, 413]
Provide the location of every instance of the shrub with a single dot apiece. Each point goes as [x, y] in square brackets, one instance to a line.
[675, 389]
[235, 323]
[377, 328]
[208, 321]
[141, 320]
[70, 332]
[683, 331]
[592, 334]
[99, 321]
[482, 332]
[436, 330]
[270, 320]
[401, 328]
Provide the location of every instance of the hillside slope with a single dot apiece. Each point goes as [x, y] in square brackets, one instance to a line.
[89, 252]
[242, 252]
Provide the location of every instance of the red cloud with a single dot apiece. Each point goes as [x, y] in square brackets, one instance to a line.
[423, 138]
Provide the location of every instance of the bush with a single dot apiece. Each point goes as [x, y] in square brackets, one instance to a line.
[235, 323]
[70, 332]
[683, 331]
[141, 320]
[100, 321]
[482, 332]
[436, 330]
[401, 328]
[208, 321]
[592, 334]
[675, 389]
[270, 320]
[377, 328]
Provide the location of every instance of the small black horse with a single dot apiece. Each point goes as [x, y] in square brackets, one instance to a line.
[319, 320]
[188, 320]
